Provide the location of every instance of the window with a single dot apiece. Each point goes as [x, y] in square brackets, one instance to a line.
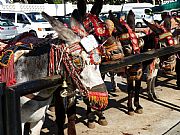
[21, 18]
[6, 23]
[9, 16]
[36, 17]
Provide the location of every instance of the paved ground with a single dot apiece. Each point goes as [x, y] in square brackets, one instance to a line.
[161, 117]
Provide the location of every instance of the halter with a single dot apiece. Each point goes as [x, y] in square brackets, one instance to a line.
[70, 56]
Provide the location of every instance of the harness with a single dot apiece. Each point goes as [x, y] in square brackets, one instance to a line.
[92, 24]
[169, 64]
[130, 36]
[167, 35]
[72, 58]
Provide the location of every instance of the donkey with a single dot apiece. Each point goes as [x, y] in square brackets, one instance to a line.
[83, 70]
[160, 37]
[131, 46]
[94, 26]
[63, 56]
[28, 61]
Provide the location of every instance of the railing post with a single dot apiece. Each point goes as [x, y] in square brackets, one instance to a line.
[2, 88]
[18, 115]
[11, 113]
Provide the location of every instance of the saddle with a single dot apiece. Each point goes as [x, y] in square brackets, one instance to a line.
[11, 51]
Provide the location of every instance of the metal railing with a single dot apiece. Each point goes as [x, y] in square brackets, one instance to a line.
[10, 117]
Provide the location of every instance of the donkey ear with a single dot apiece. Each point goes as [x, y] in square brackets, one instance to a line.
[96, 9]
[54, 22]
[64, 33]
[131, 19]
[116, 22]
[81, 6]
[167, 23]
[153, 27]
[76, 25]
[75, 14]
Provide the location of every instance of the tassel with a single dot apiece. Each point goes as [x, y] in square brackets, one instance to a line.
[7, 72]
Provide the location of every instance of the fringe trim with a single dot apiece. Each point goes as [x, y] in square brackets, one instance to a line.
[7, 73]
[98, 100]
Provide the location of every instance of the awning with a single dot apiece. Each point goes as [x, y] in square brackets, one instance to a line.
[167, 7]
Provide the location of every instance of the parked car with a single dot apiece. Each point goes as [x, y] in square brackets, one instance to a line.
[7, 29]
[64, 19]
[139, 22]
[32, 22]
[117, 14]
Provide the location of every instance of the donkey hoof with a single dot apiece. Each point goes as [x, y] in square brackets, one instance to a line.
[91, 125]
[103, 122]
[155, 97]
[131, 113]
[116, 90]
[139, 110]
[150, 96]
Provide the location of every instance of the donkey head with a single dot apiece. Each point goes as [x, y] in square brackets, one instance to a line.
[163, 38]
[126, 34]
[94, 26]
[82, 64]
[91, 22]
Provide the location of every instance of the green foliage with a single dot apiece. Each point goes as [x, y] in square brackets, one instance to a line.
[57, 1]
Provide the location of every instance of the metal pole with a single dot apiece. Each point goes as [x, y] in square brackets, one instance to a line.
[2, 88]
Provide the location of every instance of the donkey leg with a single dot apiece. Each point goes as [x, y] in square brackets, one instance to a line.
[103, 76]
[102, 120]
[25, 128]
[91, 118]
[149, 89]
[59, 112]
[71, 115]
[153, 88]
[130, 96]
[37, 126]
[139, 108]
[114, 84]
